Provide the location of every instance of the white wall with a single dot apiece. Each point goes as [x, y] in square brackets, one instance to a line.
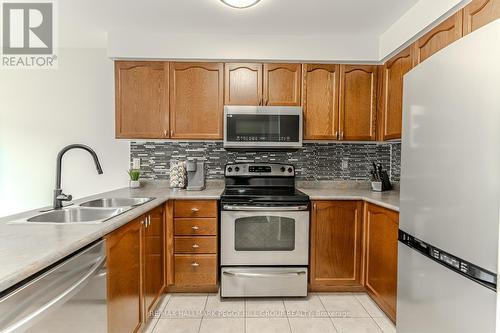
[136, 44]
[41, 111]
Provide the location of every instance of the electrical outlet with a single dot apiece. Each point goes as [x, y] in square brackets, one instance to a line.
[345, 164]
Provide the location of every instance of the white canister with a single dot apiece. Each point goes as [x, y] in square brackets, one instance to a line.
[177, 174]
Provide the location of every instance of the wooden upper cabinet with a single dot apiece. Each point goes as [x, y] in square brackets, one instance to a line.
[282, 84]
[141, 99]
[391, 95]
[124, 262]
[336, 245]
[154, 257]
[321, 102]
[358, 91]
[479, 13]
[242, 84]
[438, 38]
[381, 226]
[196, 100]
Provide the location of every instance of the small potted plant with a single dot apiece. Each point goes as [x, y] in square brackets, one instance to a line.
[134, 178]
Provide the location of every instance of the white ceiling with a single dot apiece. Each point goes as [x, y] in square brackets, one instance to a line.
[298, 17]
[316, 30]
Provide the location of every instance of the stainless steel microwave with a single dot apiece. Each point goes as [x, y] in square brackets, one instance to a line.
[263, 127]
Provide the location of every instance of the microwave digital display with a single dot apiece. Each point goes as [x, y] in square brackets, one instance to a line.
[262, 128]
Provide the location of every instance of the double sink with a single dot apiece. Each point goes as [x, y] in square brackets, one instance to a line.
[94, 211]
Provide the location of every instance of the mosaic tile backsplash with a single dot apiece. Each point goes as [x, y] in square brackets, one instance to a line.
[315, 161]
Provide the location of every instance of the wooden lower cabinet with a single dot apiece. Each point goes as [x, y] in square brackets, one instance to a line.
[336, 246]
[136, 272]
[124, 262]
[381, 227]
[197, 271]
[194, 257]
[154, 257]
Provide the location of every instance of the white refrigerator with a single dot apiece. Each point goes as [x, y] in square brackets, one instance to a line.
[450, 189]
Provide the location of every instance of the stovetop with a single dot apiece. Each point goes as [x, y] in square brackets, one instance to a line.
[263, 194]
[263, 183]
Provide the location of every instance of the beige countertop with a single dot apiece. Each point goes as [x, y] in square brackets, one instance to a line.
[350, 191]
[27, 248]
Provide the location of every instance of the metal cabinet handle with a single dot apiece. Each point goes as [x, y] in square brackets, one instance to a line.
[194, 210]
[342, 135]
[195, 227]
[165, 133]
[195, 246]
[195, 264]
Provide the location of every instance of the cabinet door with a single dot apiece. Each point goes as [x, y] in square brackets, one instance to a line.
[196, 100]
[336, 245]
[479, 13]
[124, 262]
[154, 257]
[438, 38]
[282, 84]
[243, 84]
[391, 97]
[141, 99]
[358, 89]
[321, 102]
[381, 226]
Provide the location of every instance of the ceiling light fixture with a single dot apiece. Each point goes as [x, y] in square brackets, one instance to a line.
[240, 4]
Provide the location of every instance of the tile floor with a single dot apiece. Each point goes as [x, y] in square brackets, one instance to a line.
[318, 313]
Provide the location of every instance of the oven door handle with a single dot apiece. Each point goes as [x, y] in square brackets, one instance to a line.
[263, 275]
[266, 209]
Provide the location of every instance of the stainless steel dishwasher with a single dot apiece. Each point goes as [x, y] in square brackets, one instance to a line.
[69, 297]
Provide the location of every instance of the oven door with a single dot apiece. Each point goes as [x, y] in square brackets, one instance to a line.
[276, 127]
[264, 236]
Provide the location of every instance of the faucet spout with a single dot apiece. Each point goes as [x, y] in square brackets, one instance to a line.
[59, 197]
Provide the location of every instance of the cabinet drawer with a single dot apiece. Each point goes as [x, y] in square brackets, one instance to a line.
[198, 226]
[195, 270]
[195, 208]
[195, 244]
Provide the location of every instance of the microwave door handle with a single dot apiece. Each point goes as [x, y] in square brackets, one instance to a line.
[263, 275]
[265, 209]
[27, 320]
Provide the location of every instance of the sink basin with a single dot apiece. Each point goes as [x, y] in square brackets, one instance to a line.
[115, 202]
[77, 215]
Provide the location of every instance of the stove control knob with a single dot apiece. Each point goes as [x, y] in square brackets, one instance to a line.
[282, 169]
[237, 169]
[290, 170]
[229, 169]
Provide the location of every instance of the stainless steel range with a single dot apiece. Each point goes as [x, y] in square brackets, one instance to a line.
[264, 232]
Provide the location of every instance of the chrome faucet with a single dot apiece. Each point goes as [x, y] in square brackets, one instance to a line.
[59, 196]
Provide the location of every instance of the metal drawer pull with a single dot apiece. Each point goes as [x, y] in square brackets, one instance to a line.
[195, 246]
[194, 210]
[261, 275]
[195, 227]
[195, 264]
